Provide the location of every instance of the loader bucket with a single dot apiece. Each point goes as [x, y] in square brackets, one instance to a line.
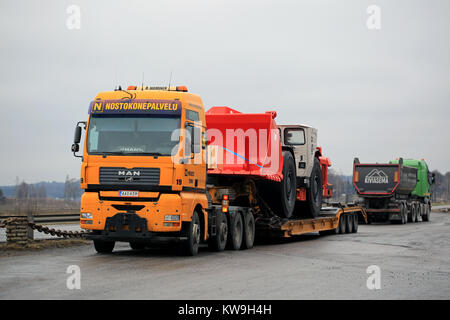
[245, 144]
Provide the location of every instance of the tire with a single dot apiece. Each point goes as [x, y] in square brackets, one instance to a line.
[355, 223]
[403, 213]
[342, 224]
[137, 245]
[235, 233]
[104, 246]
[191, 244]
[410, 213]
[314, 193]
[219, 241]
[249, 231]
[284, 204]
[349, 223]
[416, 212]
[426, 216]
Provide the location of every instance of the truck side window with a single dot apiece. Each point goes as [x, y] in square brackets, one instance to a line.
[294, 136]
[188, 139]
[191, 115]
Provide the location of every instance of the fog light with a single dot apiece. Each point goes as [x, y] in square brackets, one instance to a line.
[168, 224]
[86, 221]
[172, 217]
[86, 215]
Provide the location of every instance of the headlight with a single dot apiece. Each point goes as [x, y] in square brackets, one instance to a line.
[172, 217]
[86, 215]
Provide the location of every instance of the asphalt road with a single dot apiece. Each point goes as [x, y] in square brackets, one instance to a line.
[414, 260]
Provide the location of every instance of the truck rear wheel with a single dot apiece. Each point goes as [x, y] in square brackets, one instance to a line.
[403, 213]
[249, 231]
[104, 246]
[416, 212]
[410, 213]
[236, 231]
[190, 245]
[219, 241]
[426, 216]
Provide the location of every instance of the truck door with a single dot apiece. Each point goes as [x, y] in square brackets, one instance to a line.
[194, 170]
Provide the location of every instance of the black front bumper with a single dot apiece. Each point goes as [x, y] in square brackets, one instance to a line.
[129, 227]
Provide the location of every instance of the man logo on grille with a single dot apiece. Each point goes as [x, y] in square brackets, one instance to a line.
[376, 176]
[128, 173]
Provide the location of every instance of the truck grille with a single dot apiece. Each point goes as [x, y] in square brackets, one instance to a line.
[124, 176]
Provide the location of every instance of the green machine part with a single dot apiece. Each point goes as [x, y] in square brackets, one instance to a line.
[424, 177]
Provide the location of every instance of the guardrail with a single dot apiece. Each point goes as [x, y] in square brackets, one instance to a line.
[49, 218]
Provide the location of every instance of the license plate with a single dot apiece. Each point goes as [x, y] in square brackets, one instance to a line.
[127, 193]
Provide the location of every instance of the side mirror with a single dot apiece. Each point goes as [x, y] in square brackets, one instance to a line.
[77, 136]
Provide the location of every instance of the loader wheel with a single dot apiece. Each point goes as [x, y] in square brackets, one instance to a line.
[218, 242]
[287, 188]
[137, 245]
[104, 246]
[190, 245]
[349, 223]
[314, 193]
[236, 232]
[249, 231]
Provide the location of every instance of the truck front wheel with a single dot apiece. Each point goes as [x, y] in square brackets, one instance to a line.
[104, 246]
[190, 245]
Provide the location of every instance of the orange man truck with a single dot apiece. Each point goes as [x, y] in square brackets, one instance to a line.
[156, 165]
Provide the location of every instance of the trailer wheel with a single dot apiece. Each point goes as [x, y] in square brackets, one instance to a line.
[137, 245]
[218, 242]
[249, 231]
[235, 233]
[104, 246]
[355, 223]
[190, 245]
[342, 223]
[349, 224]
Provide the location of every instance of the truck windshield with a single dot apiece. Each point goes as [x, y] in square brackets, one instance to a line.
[124, 135]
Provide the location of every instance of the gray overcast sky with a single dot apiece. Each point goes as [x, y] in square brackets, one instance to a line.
[376, 94]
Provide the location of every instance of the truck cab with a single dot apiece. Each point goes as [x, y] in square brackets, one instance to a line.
[142, 171]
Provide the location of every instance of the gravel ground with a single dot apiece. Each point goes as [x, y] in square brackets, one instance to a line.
[414, 260]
